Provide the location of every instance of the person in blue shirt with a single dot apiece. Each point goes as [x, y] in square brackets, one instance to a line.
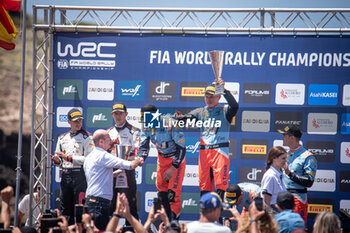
[287, 220]
[300, 169]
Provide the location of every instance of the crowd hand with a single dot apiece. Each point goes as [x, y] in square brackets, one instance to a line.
[125, 209]
[236, 216]
[16, 230]
[162, 227]
[6, 194]
[163, 215]
[138, 161]
[254, 213]
[183, 227]
[119, 229]
[117, 172]
[169, 173]
[55, 159]
[178, 115]
[64, 224]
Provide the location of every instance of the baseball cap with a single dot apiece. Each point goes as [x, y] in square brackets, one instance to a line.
[210, 89]
[285, 200]
[74, 114]
[291, 130]
[119, 107]
[232, 194]
[210, 201]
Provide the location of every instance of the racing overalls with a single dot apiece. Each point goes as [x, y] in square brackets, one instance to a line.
[170, 144]
[73, 183]
[303, 165]
[214, 160]
[127, 135]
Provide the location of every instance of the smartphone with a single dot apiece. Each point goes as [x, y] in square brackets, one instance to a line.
[79, 210]
[226, 214]
[47, 223]
[259, 203]
[156, 204]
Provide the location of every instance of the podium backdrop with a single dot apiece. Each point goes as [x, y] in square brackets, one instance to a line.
[277, 80]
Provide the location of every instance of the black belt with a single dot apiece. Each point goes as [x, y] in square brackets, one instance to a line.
[297, 190]
[70, 170]
[214, 146]
[100, 199]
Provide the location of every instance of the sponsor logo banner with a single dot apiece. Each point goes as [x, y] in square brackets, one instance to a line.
[324, 181]
[162, 91]
[290, 94]
[232, 150]
[233, 87]
[138, 175]
[151, 173]
[149, 196]
[86, 56]
[254, 149]
[324, 151]
[192, 91]
[61, 116]
[190, 203]
[256, 121]
[283, 119]
[134, 117]
[130, 90]
[251, 175]
[69, 89]
[345, 152]
[345, 204]
[345, 123]
[345, 181]
[100, 90]
[191, 176]
[192, 147]
[322, 123]
[346, 95]
[259, 93]
[323, 94]
[317, 205]
[99, 118]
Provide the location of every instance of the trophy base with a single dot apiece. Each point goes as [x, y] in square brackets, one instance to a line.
[219, 89]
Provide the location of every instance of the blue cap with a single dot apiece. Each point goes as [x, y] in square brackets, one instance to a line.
[210, 201]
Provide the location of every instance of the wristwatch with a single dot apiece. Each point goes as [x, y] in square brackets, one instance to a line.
[252, 220]
[117, 215]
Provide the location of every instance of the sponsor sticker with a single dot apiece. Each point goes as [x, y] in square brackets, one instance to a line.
[162, 91]
[251, 175]
[69, 89]
[345, 123]
[346, 95]
[191, 176]
[324, 181]
[322, 123]
[61, 116]
[259, 93]
[130, 90]
[283, 119]
[151, 173]
[256, 121]
[323, 150]
[149, 196]
[345, 152]
[99, 118]
[190, 203]
[344, 181]
[192, 91]
[254, 149]
[233, 87]
[100, 90]
[192, 147]
[323, 94]
[290, 94]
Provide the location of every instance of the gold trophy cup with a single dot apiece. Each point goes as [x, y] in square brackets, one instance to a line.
[217, 60]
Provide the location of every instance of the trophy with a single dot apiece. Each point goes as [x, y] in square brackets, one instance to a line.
[121, 179]
[217, 59]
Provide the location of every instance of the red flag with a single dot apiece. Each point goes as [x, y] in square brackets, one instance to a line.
[12, 5]
[8, 30]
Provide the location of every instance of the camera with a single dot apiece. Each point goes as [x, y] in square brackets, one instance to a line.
[47, 223]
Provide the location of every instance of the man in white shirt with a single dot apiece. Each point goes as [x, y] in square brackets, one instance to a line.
[98, 167]
[210, 209]
[23, 208]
